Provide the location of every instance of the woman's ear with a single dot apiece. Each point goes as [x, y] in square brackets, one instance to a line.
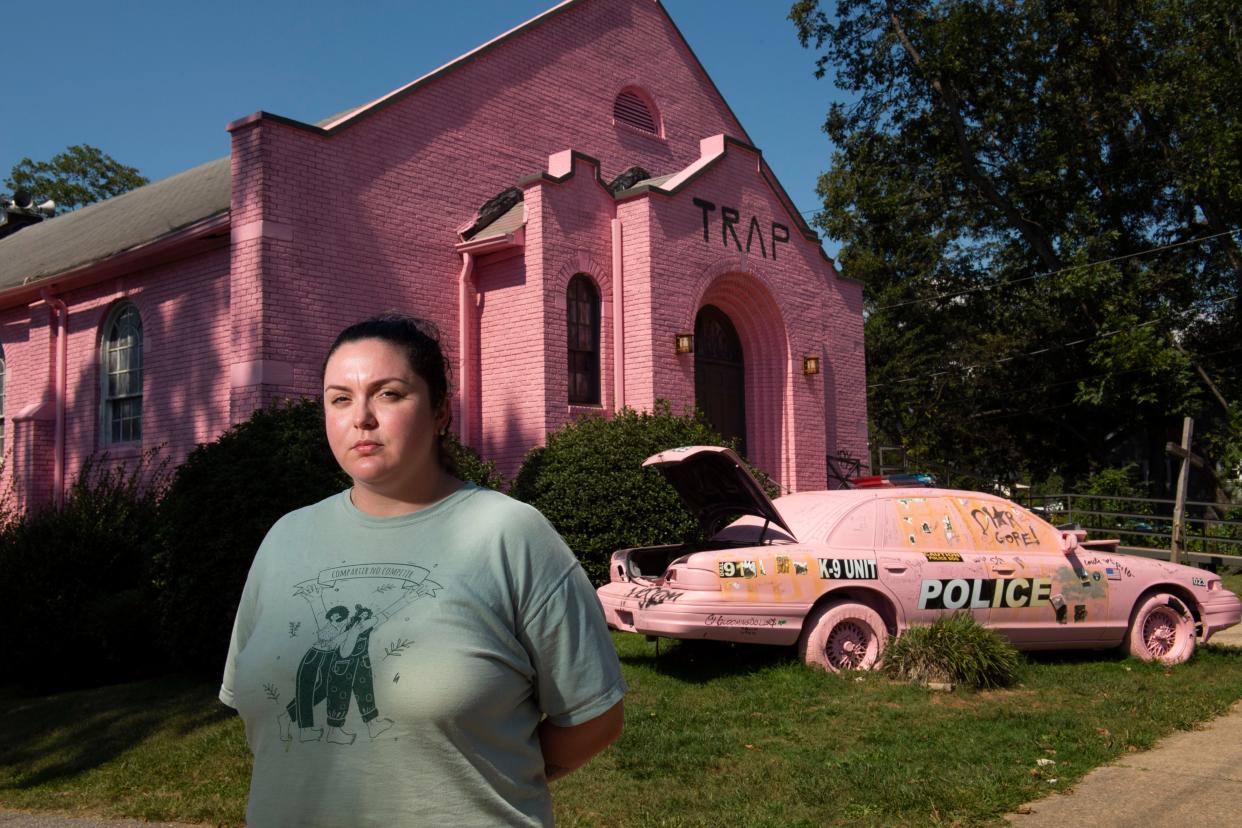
[443, 417]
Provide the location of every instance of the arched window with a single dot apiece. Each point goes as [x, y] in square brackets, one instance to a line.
[634, 108]
[582, 314]
[4, 371]
[122, 376]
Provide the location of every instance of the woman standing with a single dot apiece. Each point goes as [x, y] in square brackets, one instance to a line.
[493, 665]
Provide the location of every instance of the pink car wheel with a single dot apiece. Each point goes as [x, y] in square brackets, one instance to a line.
[1162, 629]
[843, 637]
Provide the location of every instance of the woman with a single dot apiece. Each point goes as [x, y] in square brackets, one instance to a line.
[493, 665]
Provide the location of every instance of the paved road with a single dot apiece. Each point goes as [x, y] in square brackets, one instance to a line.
[1189, 778]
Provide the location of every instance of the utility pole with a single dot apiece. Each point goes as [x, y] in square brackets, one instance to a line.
[1179, 505]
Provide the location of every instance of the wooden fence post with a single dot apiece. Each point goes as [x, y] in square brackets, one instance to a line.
[1178, 546]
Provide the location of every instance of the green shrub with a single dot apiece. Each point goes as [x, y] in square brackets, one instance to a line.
[953, 650]
[221, 503]
[75, 581]
[589, 482]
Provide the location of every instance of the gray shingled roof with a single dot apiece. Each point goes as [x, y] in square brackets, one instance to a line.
[100, 230]
[506, 222]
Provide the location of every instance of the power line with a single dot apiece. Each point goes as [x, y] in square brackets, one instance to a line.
[1059, 272]
[932, 375]
[1077, 380]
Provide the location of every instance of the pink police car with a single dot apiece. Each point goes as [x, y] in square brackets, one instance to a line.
[837, 572]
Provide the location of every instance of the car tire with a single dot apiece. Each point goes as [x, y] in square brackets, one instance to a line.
[839, 637]
[1161, 629]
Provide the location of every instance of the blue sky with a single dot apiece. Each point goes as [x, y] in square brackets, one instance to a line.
[154, 82]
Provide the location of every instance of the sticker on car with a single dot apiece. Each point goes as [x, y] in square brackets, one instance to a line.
[984, 593]
[847, 569]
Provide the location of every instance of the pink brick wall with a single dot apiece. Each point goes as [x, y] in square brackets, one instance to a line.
[328, 228]
[785, 305]
[373, 208]
[183, 306]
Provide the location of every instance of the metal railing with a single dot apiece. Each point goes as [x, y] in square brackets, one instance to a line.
[1213, 531]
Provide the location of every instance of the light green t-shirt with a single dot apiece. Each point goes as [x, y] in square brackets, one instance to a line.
[392, 671]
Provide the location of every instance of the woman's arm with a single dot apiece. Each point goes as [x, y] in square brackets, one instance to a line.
[565, 749]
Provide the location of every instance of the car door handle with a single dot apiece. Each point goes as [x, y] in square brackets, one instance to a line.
[896, 569]
[1003, 570]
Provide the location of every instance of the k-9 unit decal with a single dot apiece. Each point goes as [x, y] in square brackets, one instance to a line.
[847, 569]
[984, 593]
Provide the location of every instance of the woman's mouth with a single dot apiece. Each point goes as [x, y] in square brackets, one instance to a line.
[366, 447]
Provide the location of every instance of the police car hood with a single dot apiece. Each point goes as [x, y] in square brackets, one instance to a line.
[715, 486]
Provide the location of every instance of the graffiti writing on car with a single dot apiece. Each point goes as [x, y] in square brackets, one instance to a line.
[652, 596]
[743, 621]
[1002, 526]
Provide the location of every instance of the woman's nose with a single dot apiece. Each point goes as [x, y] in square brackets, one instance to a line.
[364, 417]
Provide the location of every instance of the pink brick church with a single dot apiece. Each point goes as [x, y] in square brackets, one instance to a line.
[573, 204]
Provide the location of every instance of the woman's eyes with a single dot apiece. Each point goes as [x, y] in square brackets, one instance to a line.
[384, 393]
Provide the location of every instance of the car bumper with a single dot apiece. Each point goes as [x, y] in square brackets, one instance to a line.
[651, 609]
[1220, 611]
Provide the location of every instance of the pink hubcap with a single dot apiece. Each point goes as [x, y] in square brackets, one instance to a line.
[1160, 632]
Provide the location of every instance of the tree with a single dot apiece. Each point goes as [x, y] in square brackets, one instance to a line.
[1043, 202]
[80, 175]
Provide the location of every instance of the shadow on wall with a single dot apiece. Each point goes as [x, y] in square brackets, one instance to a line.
[185, 382]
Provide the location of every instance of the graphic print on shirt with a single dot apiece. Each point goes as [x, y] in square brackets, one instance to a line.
[336, 669]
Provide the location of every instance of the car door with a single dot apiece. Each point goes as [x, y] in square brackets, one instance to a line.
[927, 560]
[1042, 595]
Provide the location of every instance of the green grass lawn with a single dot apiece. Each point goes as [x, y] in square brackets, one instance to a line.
[715, 735]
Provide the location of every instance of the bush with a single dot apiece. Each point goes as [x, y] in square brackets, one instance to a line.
[589, 482]
[221, 503]
[76, 581]
[953, 650]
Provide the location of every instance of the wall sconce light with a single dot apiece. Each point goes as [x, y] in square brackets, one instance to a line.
[683, 343]
[810, 365]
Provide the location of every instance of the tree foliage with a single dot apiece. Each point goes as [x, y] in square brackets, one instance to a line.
[80, 175]
[219, 506]
[1043, 202]
[589, 482]
[77, 572]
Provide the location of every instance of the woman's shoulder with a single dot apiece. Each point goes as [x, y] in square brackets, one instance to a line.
[307, 516]
[499, 509]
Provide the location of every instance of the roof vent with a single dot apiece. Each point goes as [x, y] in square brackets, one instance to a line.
[632, 109]
[628, 179]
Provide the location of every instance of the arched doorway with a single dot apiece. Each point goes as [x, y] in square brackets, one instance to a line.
[719, 374]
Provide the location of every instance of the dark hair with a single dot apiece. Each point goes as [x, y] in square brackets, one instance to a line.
[340, 611]
[419, 339]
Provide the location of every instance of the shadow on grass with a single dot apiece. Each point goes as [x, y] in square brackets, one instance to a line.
[48, 738]
[700, 661]
[1222, 652]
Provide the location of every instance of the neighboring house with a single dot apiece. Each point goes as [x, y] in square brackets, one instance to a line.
[563, 202]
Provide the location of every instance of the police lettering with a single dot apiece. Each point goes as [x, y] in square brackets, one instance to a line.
[984, 593]
[851, 569]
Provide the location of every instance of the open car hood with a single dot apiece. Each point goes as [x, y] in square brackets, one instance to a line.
[715, 486]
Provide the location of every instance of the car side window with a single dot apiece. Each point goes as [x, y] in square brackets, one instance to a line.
[925, 523]
[857, 530]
